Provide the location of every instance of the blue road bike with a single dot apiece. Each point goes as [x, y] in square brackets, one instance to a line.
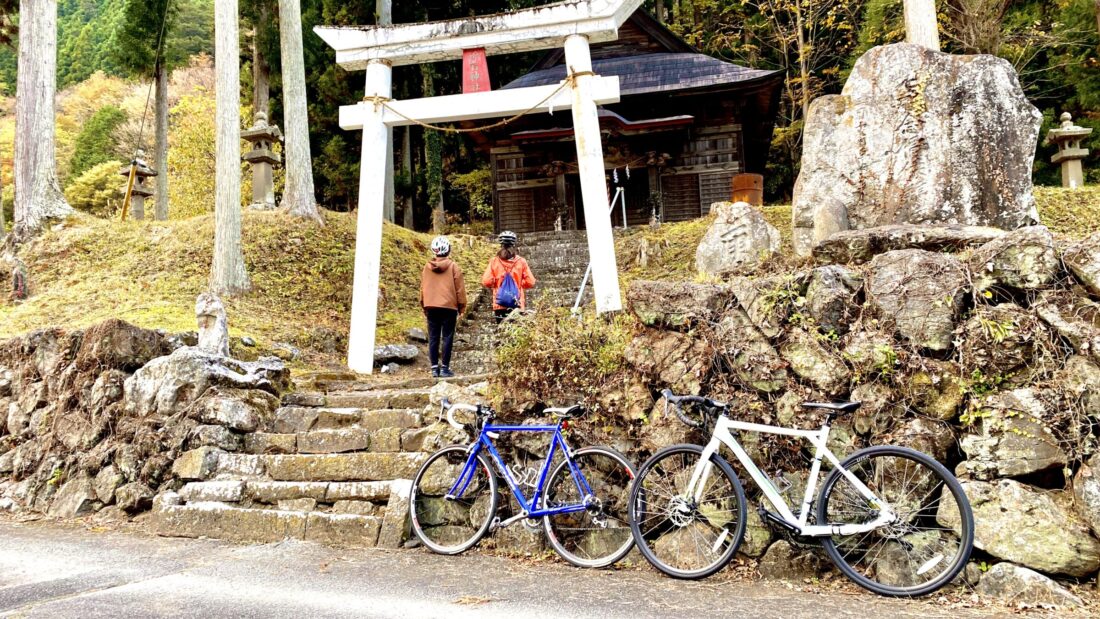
[579, 496]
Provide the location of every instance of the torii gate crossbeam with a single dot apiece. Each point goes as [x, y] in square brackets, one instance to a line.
[377, 49]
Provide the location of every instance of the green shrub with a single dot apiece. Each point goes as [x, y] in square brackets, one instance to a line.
[477, 187]
[96, 143]
[98, 191]
[553, 357]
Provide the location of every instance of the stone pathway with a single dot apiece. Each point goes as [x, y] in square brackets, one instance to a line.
[61, 570]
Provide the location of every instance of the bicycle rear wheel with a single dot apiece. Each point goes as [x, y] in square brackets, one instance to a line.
[924, 548]
[452, 525]
[600, 535]
[681, 535]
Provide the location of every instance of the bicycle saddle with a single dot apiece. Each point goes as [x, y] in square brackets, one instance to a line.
[842, 408]
[568, 412]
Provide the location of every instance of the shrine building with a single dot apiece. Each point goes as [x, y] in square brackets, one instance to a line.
[685, 125]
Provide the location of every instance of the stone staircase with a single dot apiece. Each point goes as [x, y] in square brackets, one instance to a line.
[333, 466]
[558, 260]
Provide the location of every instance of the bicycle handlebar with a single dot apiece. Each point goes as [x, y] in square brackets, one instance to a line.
[449, 409]
[677, 400]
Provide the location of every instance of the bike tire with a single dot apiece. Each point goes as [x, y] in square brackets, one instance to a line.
[440, 523]
[919, 532]
[574, 543]
[644, 498]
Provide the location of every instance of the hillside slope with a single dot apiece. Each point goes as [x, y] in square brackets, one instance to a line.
[150, 273]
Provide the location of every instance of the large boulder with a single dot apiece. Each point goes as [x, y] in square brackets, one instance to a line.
[118, 345]
[752, 358]
[768, 300]
[1001, 340]
[1022, 587]
[919, 293]
[1012, 437]
[936, 389]
[832, 297]
[1083, 259]
[815, 363]
[674, 359]
[1035, 528]
[675, 304]
[167, 384]
[1023, 259]
[859, 246]
[1086, 493]
[737, 241]
[1080, 379]
[920, 137]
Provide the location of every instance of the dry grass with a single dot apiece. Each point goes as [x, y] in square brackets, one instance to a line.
[150, 273]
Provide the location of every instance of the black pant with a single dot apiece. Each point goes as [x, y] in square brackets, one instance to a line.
[441, 325]
[501, 314]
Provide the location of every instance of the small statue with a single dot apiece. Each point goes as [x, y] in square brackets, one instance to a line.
[213, 324]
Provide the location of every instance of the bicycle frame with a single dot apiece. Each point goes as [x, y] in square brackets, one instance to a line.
[529, 507]
[818, 438]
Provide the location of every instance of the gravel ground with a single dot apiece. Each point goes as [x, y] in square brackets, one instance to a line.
[53, 569]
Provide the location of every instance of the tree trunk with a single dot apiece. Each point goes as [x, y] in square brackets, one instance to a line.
[659, 9]
[261, 71]
[407, 164]
[920, 23]
[384, 9]
[227, 276]
[298, 198]
[160, 143]
[803, 61]
[433, 159]
[38, 196]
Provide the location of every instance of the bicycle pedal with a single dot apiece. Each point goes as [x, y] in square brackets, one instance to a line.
[495, 524]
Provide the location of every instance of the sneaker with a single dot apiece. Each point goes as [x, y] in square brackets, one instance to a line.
[445, 372]
[435, 371]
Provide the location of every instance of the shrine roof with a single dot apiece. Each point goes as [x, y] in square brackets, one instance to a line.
[660, 72]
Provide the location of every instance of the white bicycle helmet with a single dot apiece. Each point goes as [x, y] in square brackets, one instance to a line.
[508, 238]
[441, 246]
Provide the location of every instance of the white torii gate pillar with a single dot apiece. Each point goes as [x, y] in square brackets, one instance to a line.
[597, 211]
[368, 228]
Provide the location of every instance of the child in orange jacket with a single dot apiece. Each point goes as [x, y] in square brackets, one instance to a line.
[507, 261]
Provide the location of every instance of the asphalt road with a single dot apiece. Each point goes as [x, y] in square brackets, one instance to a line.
[62, 570]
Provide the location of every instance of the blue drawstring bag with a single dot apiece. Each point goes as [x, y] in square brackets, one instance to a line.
[508, 293]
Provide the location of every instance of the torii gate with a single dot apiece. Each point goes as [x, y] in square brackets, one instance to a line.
[572, 24]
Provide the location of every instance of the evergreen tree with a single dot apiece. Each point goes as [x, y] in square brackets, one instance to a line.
[38, 197]
[139, 47]
[96, 142]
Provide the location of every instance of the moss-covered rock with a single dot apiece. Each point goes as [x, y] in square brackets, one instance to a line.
[814, 363]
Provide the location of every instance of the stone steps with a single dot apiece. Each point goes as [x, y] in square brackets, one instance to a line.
[331, 466]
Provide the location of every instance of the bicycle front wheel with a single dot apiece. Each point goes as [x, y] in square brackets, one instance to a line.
[687, 532]
[600, 535]
[451, 525]
[924, 548]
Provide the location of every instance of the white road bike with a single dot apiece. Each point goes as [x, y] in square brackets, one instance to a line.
[892, 519]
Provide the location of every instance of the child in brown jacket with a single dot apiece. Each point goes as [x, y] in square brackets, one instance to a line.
[443, 299]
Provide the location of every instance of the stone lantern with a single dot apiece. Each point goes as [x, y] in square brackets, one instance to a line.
[262, 158]
[142, 171]
[1068, 140]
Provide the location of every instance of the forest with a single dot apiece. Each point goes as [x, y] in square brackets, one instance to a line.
[104, 68]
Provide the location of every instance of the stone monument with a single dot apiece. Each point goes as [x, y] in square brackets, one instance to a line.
[263, 159]
[1070, 153]
[917, 137]
[138, 194]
